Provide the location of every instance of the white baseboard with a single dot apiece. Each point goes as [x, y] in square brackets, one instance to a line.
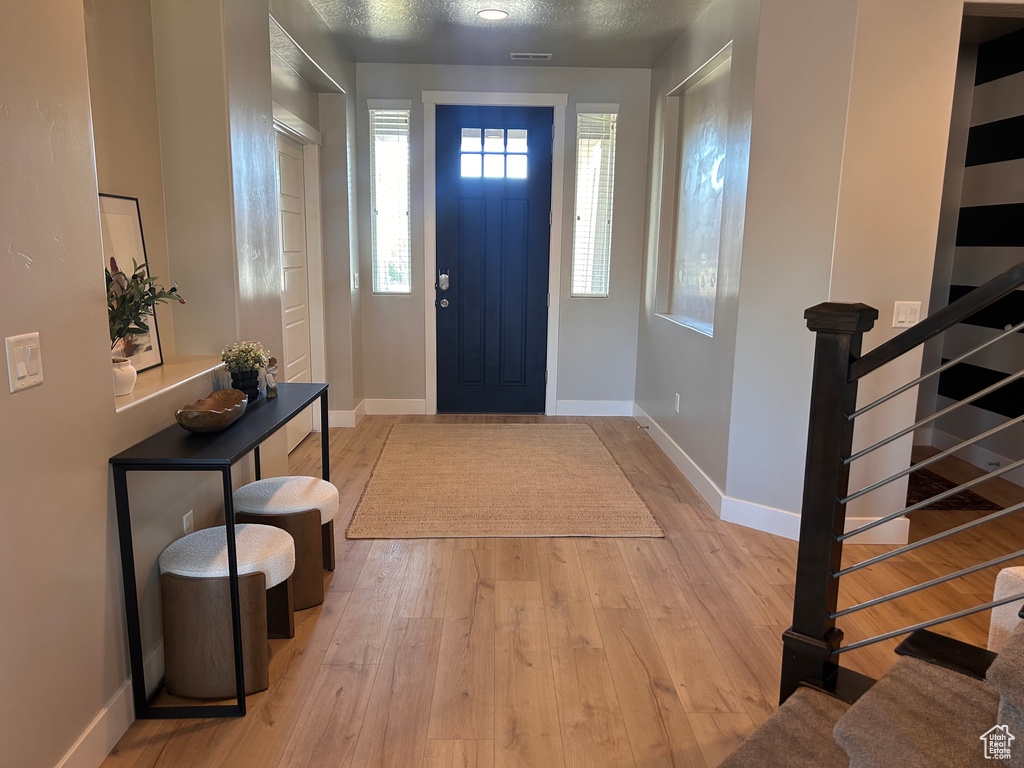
[787, 524]
[96, 741]
[347, 418]
[780, 522]
[395, 407]
[980, 457]
[698, 479]
[593, 408]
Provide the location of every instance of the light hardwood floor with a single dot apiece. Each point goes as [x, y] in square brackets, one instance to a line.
[462, 653]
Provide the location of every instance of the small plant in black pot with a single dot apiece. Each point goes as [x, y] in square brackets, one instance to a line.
[244, 360]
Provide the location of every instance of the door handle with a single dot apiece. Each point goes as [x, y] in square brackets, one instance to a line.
[443, 280]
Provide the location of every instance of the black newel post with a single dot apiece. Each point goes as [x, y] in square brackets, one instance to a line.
[807, 645]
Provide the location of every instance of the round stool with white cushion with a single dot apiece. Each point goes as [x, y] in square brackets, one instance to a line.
[306, 508]
[199, 657]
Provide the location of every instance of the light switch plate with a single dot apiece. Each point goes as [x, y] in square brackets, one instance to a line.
[906, 314]
[355, 281]
[24, 361]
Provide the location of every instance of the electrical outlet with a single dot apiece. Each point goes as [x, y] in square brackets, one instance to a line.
[677, 402]
[188, 523]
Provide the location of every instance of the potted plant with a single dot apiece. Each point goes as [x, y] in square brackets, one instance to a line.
[131, 301]
[244, 360]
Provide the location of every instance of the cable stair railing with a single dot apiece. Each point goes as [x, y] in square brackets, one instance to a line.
[813, 645]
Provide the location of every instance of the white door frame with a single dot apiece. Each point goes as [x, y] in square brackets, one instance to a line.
[492, 99]
[296, 129]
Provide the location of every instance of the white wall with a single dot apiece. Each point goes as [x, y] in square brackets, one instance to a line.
[122, 92]
[890, 196]
[849, 118]
[795, 165]
[597, 337]
[66, 662]
[337, 115]
[293, 93]
[672, 358]
[65, 679]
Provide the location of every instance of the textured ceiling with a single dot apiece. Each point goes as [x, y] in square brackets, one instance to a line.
[579, 33]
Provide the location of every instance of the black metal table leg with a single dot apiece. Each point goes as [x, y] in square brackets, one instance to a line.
[236, 614]
[325, 438]
[256, 459]
[131, 591]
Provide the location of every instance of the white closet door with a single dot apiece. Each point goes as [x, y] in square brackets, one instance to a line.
[294, 364]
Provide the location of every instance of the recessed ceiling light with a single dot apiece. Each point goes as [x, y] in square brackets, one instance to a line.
[493, 14]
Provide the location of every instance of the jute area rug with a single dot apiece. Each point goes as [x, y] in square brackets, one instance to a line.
[483, 480]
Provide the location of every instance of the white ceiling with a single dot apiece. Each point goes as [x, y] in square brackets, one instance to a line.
[580, 33]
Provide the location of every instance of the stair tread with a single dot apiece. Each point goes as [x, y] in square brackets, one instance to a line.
[798, 735]
[919, 715]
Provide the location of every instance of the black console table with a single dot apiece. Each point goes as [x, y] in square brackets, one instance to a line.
[176, 450]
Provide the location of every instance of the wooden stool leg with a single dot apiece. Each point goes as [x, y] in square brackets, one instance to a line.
[280, 610]
[199, 660]
[327, 532]
[304, 527]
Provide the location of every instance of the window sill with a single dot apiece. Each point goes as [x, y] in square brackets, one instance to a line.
[176, 370]
[693, 325]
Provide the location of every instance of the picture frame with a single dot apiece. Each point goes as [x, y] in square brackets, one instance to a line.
[121, 224]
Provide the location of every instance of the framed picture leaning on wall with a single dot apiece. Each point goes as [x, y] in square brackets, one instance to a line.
[121, 222]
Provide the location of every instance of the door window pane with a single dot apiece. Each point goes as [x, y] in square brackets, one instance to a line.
[517, 166]
[471, 140]
[494, 140]
[517, 140]
[494, 166]
[472, 166]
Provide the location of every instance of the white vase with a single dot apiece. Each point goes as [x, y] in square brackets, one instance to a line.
[124, 377]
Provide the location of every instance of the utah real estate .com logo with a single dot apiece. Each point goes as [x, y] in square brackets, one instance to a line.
[997, 742]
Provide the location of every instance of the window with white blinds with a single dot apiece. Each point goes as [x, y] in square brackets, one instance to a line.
[595, 186]
[390, 200]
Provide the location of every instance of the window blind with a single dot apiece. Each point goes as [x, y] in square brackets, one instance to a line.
[595, 186]
[390, 198]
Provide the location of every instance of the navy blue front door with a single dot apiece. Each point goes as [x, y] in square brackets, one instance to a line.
[493, 232]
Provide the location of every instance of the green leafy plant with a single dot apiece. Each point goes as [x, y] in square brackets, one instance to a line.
[245, 356]
[132, 299]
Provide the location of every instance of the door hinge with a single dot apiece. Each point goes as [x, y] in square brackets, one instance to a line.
[549, 299]
[551, 218]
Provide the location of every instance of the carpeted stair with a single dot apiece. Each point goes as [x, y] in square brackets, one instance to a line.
[798, 735]
[918, 715]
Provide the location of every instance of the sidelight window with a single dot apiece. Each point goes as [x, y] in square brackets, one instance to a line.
[390, 198]
[595, 188]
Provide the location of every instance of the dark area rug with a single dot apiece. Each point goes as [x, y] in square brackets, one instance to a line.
[924, 484]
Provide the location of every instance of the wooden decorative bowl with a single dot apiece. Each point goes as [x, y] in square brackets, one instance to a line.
[214, 412]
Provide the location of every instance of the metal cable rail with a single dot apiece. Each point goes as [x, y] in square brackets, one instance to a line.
[931, 460]
[925, 585]
[927, 624]
[939, 414]
[930, 540]
[938, 497]
[934, 372]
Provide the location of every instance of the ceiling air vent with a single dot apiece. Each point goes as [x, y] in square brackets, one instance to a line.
[531, 57]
